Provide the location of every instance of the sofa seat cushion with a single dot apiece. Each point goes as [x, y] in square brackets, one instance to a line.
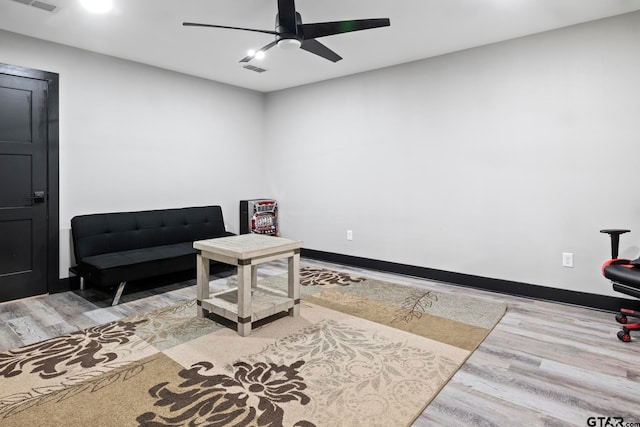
[137, 256]
[112, 268]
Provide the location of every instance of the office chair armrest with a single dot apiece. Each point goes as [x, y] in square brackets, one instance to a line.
[614, 233]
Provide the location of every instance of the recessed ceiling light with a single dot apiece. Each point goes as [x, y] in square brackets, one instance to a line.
[259, 54]
[97, 6]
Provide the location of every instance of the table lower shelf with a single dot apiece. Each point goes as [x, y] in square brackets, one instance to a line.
[265, 302]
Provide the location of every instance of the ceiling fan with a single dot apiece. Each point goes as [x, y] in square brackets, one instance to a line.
[290, 32]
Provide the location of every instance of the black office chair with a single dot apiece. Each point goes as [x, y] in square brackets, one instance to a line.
[625, 276]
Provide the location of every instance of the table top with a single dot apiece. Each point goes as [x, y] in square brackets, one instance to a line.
[246, 246]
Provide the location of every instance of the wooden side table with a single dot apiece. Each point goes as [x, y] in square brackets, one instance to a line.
[248, 302]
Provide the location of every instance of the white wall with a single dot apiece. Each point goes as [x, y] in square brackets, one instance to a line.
[137, 137]
[491, 161]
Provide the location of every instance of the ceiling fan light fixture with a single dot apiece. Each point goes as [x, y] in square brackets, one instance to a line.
[289, 44]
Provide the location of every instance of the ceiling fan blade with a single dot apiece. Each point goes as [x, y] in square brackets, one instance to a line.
[262, 49]
[287, 14]
[317, 48]
[194, 24]
[322, 29]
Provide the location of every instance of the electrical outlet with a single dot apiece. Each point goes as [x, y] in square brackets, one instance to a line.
[349, 235]
[567, 259]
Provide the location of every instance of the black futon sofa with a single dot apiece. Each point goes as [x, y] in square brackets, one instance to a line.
[114, 248]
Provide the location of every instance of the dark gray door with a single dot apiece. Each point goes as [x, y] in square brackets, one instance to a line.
[23, 187]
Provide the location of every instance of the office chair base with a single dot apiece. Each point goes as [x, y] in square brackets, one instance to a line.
[624, 312]
[625, 334]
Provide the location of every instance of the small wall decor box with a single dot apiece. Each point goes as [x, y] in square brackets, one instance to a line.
[259, 216]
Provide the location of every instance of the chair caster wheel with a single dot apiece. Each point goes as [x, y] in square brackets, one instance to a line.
[621, 318]
[624, 336]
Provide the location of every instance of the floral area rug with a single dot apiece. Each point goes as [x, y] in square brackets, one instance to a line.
[362, 353]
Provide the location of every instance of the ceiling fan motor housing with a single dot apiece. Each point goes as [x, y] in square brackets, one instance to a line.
[288, 31]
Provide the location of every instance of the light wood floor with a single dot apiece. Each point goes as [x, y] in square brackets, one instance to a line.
[545, 364]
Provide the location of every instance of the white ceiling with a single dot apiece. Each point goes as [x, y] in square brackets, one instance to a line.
[151, 32]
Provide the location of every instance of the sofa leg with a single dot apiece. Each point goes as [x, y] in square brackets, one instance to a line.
[83, 285]
[116, 298]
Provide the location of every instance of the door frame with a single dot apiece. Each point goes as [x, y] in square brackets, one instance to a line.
[53, 180]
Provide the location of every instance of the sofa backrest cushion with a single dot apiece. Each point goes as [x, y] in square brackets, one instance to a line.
[115, 232]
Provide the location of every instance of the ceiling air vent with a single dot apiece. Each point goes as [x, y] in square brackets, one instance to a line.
[38, 4]
[256, 69]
